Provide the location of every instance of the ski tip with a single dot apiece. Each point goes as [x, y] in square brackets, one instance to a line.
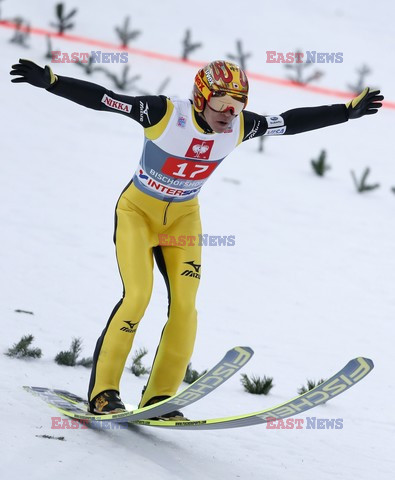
[247, 349]
[367, 360]
[360, 365]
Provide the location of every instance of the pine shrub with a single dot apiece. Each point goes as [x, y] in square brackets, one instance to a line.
[257, 385]
[240, 57]
[63, 20]
[22, 350]
[86, 362]
[21, 33]
[320, 166]
[361, 185]
[125, 34]
[137, 367]
[188, 46]
[310, 385]
[362, 71]
[192, 375]
[122, 82]
[299, 70]
[70, 357]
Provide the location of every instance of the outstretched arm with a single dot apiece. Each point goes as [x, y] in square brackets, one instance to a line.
[147, 110]
[301, 120]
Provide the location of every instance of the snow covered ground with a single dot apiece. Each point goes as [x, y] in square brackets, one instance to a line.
[308, 285]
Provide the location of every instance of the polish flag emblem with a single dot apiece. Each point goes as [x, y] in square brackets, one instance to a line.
[200, 149]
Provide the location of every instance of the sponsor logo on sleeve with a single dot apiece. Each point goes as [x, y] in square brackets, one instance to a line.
[144, 112]
[276, 131]
[254, 130]
[274, 121]
[116, 104]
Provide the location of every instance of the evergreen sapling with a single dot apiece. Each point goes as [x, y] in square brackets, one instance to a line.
[360, 85]
[320, 166]
[63, 23]
[21, 33]
[257, 385]
[241, 57]
[192, 375]
[361, 185]
[188, 46]
[70, 357]
[309, 386]
[299, 69]
[123, 83]
[125, 35]
[22, 350]
[137, 367]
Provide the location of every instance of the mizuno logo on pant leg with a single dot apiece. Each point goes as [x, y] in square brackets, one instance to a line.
[131, 327]
[195, 273]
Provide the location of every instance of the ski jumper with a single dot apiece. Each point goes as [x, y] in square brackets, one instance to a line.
[180, 152]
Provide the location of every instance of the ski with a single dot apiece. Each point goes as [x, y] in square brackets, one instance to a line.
[349, 375]
[74, 406]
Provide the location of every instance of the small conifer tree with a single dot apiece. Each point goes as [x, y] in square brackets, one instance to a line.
[256, 384]
[309, 386]
[70, 357]
[137, 367]
[192, 375]
[240, 57]
[320, 166]
[126, 35]
[22, 350]
[124, 82]
[21, 33]
[361, 184]
[63, 19]
[187, 46]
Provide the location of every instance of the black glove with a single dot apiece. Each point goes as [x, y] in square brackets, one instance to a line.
[365, 103]
[31, 73]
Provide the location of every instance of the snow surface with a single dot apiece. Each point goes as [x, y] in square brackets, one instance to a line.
[308, 285]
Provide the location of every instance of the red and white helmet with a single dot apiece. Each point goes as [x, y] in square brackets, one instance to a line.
[223, 85]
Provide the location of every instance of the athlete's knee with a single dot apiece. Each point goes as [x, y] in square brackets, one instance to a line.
[135, 302]
[183, 308]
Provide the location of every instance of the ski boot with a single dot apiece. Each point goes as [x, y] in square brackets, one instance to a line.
[175, 415]
[107, 402]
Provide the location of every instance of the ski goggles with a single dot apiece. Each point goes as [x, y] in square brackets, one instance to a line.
[222, 102]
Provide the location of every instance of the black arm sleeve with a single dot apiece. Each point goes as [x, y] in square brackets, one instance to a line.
[147, 110]
[301, 120]
[293, 121]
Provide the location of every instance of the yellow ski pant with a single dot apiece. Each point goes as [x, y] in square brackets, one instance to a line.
[148, 228]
